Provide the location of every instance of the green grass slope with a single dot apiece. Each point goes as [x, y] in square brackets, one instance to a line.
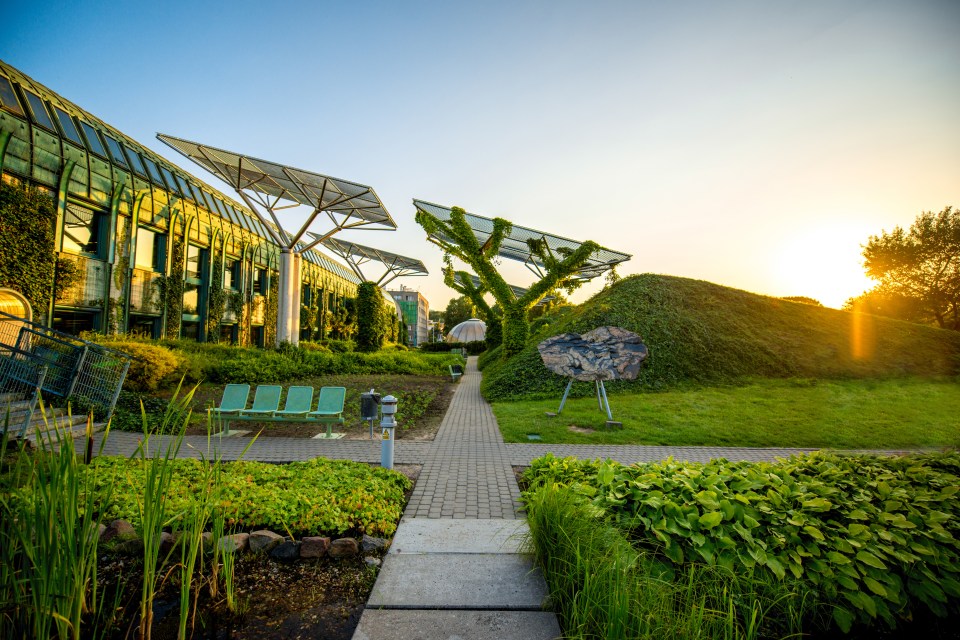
[703, 333]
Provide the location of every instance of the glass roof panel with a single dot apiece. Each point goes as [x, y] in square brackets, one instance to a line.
[8, 98]
[135, 161]
[93, 140]
[153, 170]
[68, 126]
[39, 110]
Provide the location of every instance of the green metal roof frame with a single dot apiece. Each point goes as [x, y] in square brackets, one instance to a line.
[515, 247]
[349, 205]
[356, 255]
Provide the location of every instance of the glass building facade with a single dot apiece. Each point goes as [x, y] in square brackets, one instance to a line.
[153, 249]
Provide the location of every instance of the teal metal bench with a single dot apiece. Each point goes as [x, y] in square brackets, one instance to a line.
[455, 371]
[266, 406]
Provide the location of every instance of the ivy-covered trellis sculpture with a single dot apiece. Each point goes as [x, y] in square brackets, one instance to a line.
[560, 267]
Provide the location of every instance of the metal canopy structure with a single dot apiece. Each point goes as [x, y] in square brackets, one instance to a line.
[515, 246]
[276, 187]
[518, 292]
[356, 255]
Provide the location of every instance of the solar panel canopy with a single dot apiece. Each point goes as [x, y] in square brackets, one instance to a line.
[354, 250]
[358, 254]
[283, 182]
[515, 246]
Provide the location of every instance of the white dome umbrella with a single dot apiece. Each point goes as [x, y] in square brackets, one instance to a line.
[471, 330]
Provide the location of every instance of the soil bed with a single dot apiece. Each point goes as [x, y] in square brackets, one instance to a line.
[320, 598]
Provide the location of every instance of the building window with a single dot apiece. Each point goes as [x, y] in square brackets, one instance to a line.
[231, 274]
[39, 110]
[69, 128]
[260, 281]
[83, 231]
[191, 300]
[194, 262]
[151, 250]
[115, 152]
[93, 140]
[8, 98]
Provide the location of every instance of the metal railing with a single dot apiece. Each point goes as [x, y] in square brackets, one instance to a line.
[74, 368]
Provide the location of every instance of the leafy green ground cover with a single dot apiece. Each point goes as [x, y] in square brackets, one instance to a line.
[304, 498]
[863, 542]
[849, 414]
[706, 334]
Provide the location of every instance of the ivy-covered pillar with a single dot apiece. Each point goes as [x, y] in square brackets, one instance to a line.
[62, 187]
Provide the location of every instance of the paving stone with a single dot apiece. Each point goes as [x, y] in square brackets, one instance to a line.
[458, 581]
[386, 624]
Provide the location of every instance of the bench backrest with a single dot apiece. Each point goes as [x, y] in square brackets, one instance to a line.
[331, 400]
[267, 398]
[299, 399]
[234, 397]
[456, 369]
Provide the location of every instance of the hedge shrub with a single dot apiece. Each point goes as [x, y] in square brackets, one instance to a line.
[152, 366]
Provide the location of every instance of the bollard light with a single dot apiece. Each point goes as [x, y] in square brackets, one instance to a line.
[388, 407]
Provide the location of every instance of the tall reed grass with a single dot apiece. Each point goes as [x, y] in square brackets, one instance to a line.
[48, 539]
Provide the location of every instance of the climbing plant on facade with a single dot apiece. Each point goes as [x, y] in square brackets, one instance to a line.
[372, 317]
[172, 287]
[458, 240]
[27, 257]
[217, 297]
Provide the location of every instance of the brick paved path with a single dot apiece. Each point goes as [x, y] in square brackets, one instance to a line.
[467, 472]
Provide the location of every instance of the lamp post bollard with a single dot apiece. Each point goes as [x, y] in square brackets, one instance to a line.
[388, 408]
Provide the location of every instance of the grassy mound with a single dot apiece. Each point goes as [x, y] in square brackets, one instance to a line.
[703, 333]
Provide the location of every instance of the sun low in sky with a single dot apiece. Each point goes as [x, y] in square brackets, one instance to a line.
[754, 144]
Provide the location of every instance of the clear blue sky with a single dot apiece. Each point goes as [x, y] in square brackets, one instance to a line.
[752, 144]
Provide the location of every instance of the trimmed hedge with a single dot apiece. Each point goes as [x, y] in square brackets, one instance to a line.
[473, 348]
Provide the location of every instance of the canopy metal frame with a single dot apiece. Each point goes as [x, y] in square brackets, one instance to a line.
[275, 187]
[357, 255]
[516, 245]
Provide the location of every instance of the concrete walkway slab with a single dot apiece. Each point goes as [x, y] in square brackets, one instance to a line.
[408, 624]
[447, 535]
[459, 581]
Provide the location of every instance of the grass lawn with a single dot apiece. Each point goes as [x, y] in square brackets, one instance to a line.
[849, 414]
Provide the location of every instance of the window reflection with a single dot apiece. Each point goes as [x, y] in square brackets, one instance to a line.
[81, 230]
[39, 110]
[8, 98]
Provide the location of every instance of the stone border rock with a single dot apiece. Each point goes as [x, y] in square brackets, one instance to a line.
[261, 541]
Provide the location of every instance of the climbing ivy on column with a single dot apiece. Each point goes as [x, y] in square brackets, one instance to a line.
[371, 317]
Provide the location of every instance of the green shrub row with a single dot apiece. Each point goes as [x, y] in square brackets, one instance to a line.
[473, 348]
[877, 536]
[163, 363]
[307, 498]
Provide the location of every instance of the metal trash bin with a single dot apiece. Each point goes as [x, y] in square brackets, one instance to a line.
[369, 408]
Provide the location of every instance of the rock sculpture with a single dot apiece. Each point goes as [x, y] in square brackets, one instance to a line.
[606, 353]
